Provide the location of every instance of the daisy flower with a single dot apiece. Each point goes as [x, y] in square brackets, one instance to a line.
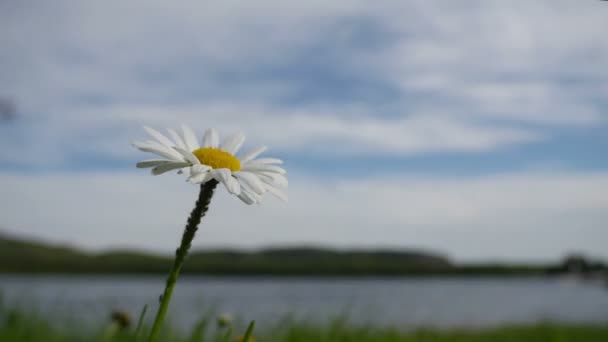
[244, 176]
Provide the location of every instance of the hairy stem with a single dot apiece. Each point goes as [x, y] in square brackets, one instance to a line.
[199, 211]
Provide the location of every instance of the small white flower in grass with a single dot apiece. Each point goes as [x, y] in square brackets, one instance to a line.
[244, 176]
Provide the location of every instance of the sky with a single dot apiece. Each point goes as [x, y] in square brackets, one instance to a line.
[476, 129]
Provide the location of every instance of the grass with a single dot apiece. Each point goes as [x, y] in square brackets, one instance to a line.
[17, 326]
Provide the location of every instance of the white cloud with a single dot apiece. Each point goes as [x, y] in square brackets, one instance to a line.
[521, 216]
[543, 62]
[108, 131]
[339, 131]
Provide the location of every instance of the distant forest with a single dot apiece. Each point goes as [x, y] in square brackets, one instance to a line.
[22, 256]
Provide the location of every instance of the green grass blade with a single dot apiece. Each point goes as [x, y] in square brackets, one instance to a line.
[228, 335]
[249, 332]
[140, 322]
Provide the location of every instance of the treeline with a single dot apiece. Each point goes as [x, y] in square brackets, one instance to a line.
[19, 256]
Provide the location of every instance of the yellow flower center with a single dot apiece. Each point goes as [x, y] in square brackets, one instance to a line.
[217, 158]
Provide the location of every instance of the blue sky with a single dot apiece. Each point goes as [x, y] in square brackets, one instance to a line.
[471, 126]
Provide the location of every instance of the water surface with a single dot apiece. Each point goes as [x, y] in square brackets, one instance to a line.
[405, 303]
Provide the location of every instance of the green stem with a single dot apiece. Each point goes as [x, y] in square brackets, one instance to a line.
[200, 209]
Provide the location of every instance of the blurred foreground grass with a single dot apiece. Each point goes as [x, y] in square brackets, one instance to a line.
[17, 326]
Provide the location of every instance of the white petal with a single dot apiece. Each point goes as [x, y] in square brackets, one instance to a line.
[159, 136]
[266, 161]
[233, 143]
[272, 178]
[199, 173]
[264, 168]
[234, 186]
[211, 138]
[280, 194]
[151, 163]
[167, 167]
[190, 138]
[141, 144]
[188, 156]
[248, 198]
[179, 142]
[225, 176]
[200, 178]
[160, 150]
[251, 181]
[249, 155]
[200, 168]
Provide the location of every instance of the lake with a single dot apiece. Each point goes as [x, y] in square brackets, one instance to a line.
[400, 302]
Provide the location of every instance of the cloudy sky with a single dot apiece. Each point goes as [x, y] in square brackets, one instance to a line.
[473, 128]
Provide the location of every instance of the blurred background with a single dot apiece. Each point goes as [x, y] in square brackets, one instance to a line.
[471, 135]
